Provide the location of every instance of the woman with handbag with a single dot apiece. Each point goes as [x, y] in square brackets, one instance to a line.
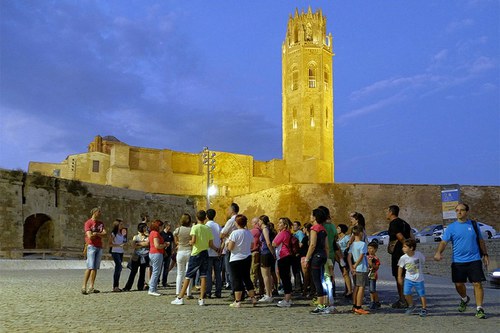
[139, 259]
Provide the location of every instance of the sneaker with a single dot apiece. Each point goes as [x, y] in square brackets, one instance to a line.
[330, 310]
[201, 302]
[360, 311]
[463, 305]
[281, 292]
[399, 304]
[266, 299]
[320, 309]
[284, 304]
[480, 314]
[178, 301]
[153, 293]
[423, 313]
[410, 310]
[235, 304]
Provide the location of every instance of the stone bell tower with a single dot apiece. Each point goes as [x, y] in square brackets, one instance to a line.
[307, 88]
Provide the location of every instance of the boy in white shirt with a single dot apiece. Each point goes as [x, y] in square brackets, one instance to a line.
[412, 262]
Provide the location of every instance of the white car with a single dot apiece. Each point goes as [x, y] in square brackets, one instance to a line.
[382, 237]
[487, 231]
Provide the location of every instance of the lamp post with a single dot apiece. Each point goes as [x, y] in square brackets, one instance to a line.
[208, 159]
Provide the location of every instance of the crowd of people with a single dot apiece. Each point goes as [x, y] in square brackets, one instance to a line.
[260, 262]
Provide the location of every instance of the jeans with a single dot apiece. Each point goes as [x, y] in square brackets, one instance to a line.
[229, 277]
[118, 259]
[94, 255]
[156, 260]
[136, 265]
[164, 274]
[182, 263]
[215, 264]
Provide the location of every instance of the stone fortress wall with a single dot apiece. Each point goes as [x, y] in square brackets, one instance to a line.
[40, 212]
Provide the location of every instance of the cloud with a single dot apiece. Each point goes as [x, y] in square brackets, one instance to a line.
[459, 25]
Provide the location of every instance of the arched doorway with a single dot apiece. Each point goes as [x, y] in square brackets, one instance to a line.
[38, 232]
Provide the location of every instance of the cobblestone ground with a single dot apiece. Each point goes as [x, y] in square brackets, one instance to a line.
[50, 301]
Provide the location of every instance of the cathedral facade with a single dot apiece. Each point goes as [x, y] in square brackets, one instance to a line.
[307, 123]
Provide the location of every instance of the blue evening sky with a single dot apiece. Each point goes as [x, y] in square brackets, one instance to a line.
[416, 83]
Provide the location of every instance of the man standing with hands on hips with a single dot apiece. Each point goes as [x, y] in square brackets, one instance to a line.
[468, 250]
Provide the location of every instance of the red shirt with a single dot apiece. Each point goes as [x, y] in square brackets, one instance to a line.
[92, 225]
[256, 239]
[152, 235]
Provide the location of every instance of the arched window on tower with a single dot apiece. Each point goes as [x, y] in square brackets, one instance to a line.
[311, 113]
[295, 35]
[326, 118]
[294, 118]
[326, 78]
[312, 77]
[295, 78]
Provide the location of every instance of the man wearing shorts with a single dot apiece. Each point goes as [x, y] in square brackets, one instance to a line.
[94, 231]
[468, 247]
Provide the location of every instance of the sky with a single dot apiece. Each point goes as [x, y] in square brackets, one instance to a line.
[416, 83]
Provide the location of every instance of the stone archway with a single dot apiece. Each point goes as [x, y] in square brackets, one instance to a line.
[38, 232]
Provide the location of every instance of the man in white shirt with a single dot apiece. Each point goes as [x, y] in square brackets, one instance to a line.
[229, 227]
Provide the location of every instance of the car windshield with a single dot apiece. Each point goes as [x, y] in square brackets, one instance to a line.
[428, 228]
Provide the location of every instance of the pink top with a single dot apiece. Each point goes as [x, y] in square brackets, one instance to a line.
[283, 238]
[256, 239]
[152, 235]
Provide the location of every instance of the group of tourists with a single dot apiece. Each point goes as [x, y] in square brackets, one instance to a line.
[259, 261]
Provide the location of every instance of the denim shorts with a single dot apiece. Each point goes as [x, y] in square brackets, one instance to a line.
[197, 262]
[94, 255]
[409, 285]
[372, 285]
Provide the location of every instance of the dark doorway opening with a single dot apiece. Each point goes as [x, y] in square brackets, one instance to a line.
[38, 232]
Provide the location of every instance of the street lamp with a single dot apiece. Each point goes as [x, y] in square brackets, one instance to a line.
[208, 159]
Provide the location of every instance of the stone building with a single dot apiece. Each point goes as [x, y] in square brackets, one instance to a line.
[307, 84]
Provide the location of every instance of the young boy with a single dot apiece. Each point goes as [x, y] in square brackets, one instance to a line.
[413, 262]
[359, 269]
[373, 265]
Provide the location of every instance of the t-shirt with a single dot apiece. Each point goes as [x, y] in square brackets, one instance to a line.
[395, 227]
[464, 239]
[256, 232]
[118, 239]
[357, 249]
[413, 266]
[214, 227]
[344, 242]
[94, 226]
[321, 236]
[183, 235]
[242, 239]
[373, 272]
[152, 248]
[168, 237]
[203, 236]
[331, 230]
[299, 235]
[282, 240]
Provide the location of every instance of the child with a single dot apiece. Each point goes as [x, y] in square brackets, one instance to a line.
[359, 268]
[373, 265]
[343, 244]
[412, 261]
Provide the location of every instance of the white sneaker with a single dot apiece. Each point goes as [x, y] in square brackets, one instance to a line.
[266, 299]
[153, 293]
[330, 310]
[284, 304]
[178, 301]
[201, 302]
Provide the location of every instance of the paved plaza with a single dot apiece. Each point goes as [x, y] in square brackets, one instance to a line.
[49, 300]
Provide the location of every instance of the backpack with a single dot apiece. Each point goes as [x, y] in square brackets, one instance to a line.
[294, 246]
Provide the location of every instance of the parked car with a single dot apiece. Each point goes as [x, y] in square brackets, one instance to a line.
[381, 237]
[487, 231]
[429, 230]
[495, 277]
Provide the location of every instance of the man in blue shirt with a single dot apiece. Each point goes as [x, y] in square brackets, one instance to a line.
[468, 246]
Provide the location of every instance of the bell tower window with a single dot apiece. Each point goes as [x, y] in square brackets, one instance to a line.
[326, 118]
[295, 79]
[326, 76]
[311, 112]
[312, 77]
[294, 118]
